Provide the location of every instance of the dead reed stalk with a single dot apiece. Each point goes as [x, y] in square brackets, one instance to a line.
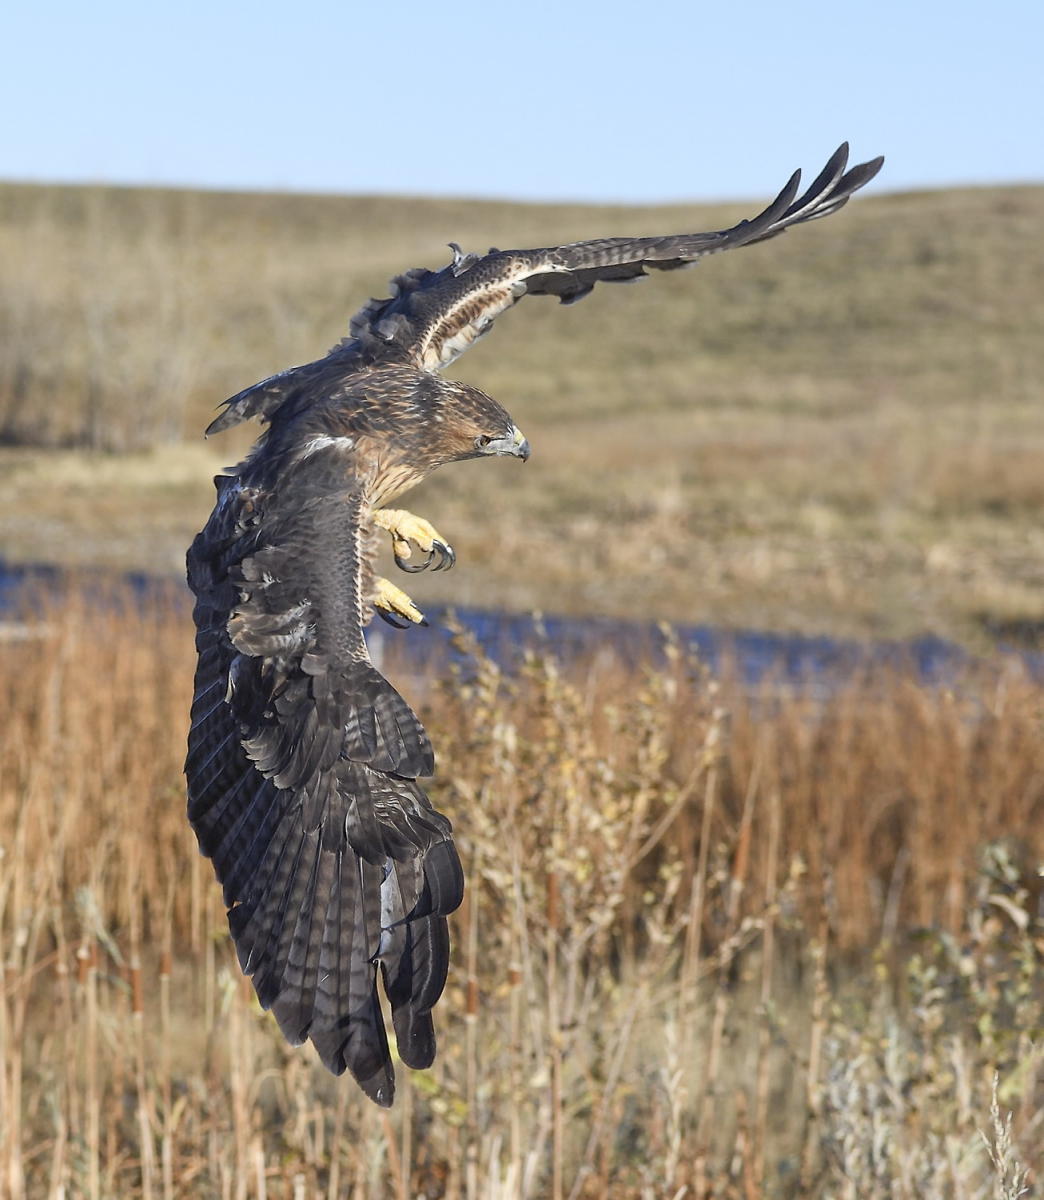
[629, 1012]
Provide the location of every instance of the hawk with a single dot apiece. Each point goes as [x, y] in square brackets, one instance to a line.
[303, 760]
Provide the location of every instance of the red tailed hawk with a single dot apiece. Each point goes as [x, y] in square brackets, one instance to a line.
[303, 760]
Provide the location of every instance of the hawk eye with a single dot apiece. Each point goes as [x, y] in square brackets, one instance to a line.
[482, 441]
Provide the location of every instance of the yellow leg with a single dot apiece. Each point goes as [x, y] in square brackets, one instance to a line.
[405, 528]
[393, 601]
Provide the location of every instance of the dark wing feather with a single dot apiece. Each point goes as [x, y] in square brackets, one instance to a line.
[433, 316]
[259, 400]
[302, 766]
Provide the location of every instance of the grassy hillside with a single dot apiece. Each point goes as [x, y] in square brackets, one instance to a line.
[839, 431]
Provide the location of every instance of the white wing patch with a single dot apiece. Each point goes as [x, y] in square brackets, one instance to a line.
[461, 325]
[321, 441]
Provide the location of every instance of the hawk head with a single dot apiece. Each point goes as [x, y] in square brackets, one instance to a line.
[466, 423]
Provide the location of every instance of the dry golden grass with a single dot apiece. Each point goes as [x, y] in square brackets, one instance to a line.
[714, 943]
[836, 432]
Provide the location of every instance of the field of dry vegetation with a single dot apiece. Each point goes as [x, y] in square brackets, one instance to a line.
[715, 942]
[835, 432]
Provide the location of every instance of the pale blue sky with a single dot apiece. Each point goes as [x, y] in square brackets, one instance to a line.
[537, 100]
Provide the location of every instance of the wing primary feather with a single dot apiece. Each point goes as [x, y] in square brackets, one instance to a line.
[748, 230]
[358, 1042]
[823, 184]
[240, 859]
[268, 917]
[293, 1007]
[330, 986]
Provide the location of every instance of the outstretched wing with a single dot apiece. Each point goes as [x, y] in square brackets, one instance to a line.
[433, 316]
[302, 767]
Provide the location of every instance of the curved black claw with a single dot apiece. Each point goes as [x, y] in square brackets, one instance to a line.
[447, 556]
[394, 620]
[404, 564]
[442, 555]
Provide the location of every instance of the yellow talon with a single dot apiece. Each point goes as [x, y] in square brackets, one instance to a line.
[391, 599]
[405, 528]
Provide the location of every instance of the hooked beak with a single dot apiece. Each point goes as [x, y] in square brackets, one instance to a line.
[515, 444]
